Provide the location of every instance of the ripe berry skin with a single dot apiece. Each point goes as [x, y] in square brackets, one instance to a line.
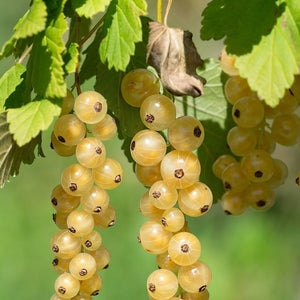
[164, 261]
[69, 130]
[102, 257]
[91, 286]
[196, 296]
[148, 210]
[67, 286]
[258, 165]
[76, 180]
[91, 241]
[221, 163]
[154, 238]
[162, 284]
[63, 202]
[194, 278]
[137, 85]
[90, 107]
[234, 203]
[91, 152]
[80, 222]
[67, 103]
[180, 169]
[65, 245]
[95, 200]
[60, 148]
[148, 148]
[106, 218]
[184, 248]
[82, 266]
[227, 63]
[109, 175]
[157, 112]
[195, 200]
[163, 195]
[60, 265]
[248, 112]
[260, 196]
[173, 219]
[105, 129]
[148, 175]
[236, 88]
[280, 174]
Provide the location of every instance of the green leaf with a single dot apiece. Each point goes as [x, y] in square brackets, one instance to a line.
[88, 8]
[122, 29]
[271, 65]
[242, 22]
[128, 117]
[9, 81]
[71, 58]
[27, 121]
[33, 22]
[11, 155]
[46, 63]
[214, 112]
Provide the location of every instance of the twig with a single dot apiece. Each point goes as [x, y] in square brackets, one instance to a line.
[167, 12]
[159, 10]
[25, 54]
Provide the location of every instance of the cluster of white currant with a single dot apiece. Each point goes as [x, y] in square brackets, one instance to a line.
[77, 246]
[252, 180]
[172, 179]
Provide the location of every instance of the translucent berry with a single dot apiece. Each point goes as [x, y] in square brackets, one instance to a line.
[186, 133]
[195, 200]
[241, 140]
[91, 152]
[148, 148]
[69, 130]
[109, 175]
[194, 278]
[196, 296]
[180, 169]
[236, 88]
[102, 257]
[82, 266]
[63, 202]
[184, 248]
[234, 178]
[162, 195]
[95, 200]
[157, 112]
[105, 129]
[164, 261]
[260, 196]
[137, 85]
[91, 241]
[258, 165]
[65, 245]
[153, 237]
[90, 107]
[234, 203]
[148, 209]
[147, 175]
[80, 222]
[60, 265]
[227, 63]
[173, 219]
[280, 174]
[91, 286]
[106, 218]
[60, 219]
[67, 286]
[67, 103]
[221, 163]
[162, 284]
[76, 180]
[60, 148]
[248, 112]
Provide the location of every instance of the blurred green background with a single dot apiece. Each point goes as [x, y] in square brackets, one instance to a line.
[252, 257]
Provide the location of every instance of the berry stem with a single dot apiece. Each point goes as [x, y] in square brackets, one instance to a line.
[77, 80]
[159, 11]
[167, 12]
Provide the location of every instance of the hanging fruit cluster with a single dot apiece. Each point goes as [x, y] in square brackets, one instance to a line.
[252, 178]
[77, 247]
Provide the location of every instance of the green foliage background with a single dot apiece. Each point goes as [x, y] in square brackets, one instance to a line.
[253, 257]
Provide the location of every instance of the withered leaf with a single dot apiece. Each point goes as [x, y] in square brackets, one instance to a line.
[172, 53]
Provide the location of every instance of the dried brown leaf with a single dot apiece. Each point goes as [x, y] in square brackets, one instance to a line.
[172, 53]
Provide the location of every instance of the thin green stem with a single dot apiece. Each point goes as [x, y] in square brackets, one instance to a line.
[77, 80]
[159, 11]
[25, 54]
